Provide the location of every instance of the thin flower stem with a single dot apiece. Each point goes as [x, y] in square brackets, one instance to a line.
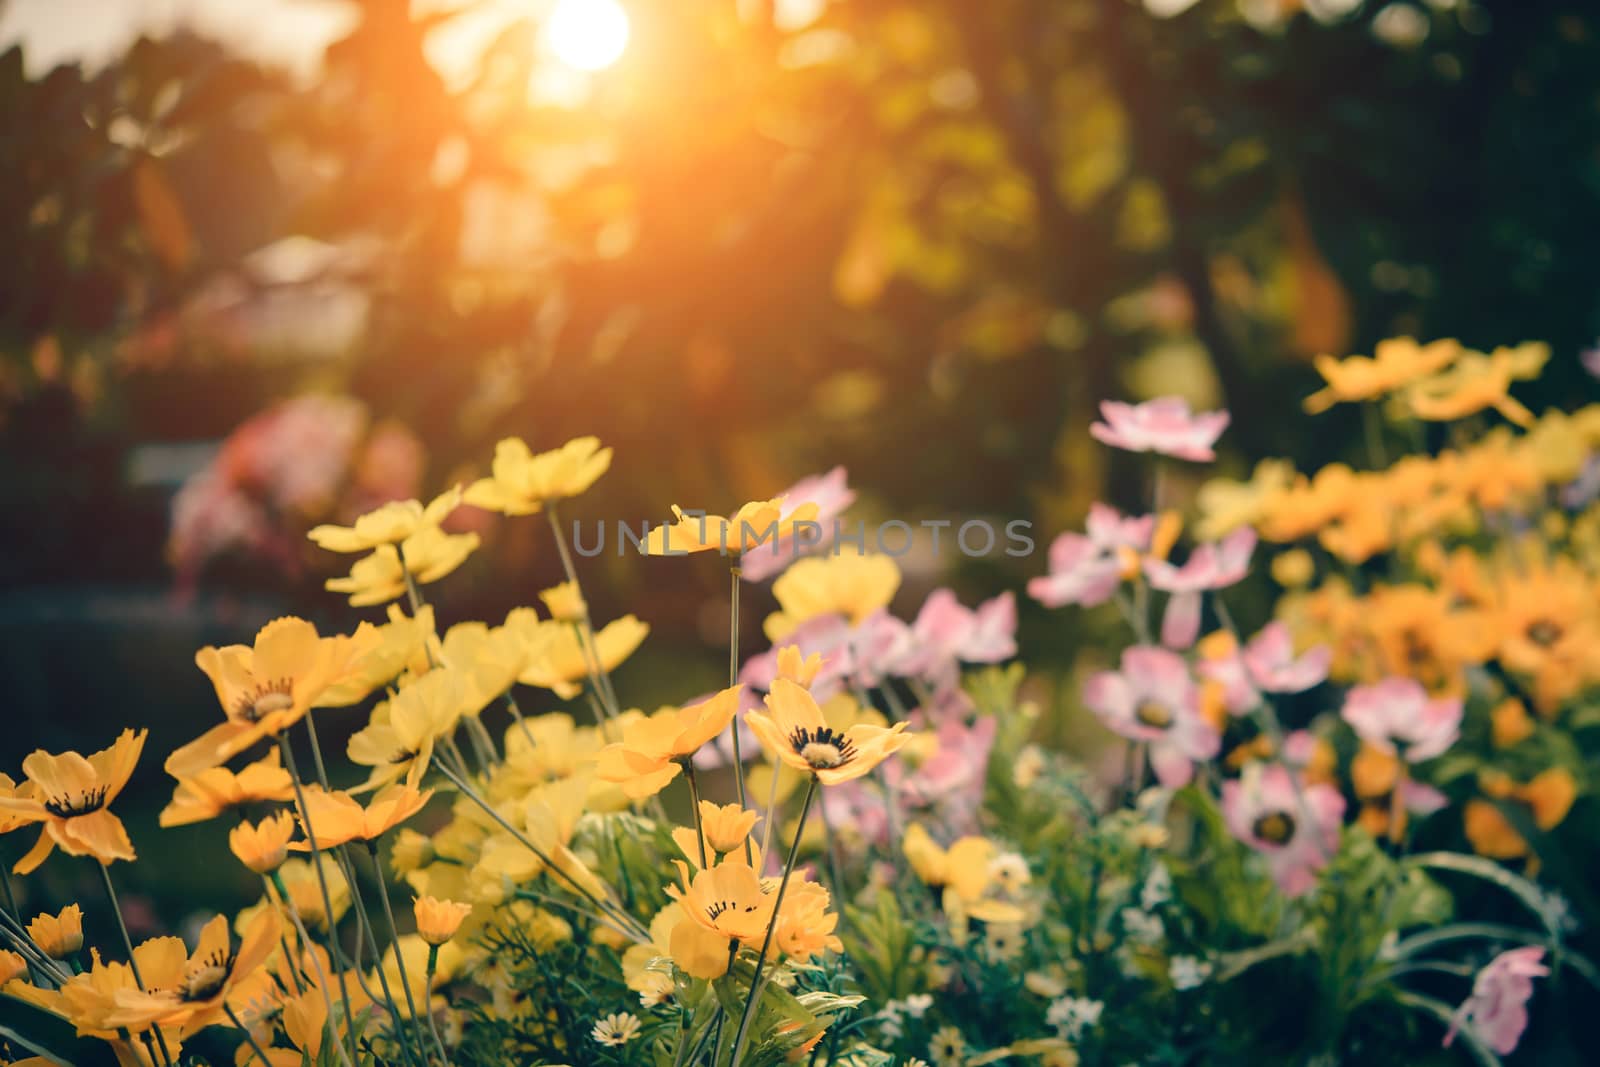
[694, 803]
[427, 998]
[743, 1033]
[316, 751]
[585, 627]
[274, 884]
[127, 943]
[33, 954]
[255, 1048]
[733, 680]
[605, 907]
[481, 739]
[394, 934]
[516, 713]
[369, 933]
[336, 952]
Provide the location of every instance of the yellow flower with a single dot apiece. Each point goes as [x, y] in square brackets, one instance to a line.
[430, 554]
[216, 790]
[652, 749]
[653, 984]
[1546, 798]
[1509, 723]
[1476, 382]
[1396, 362]
[388, 525]
[726, 825]
[964, 872]
[264, 846]
[71, 795]
[794, 731]
[805, 926]
[411, 851]
[438, 920]
[522, 483]
[488, 658]
[337, 817]
[565, 602]
[797, 670]
[1226, 505]
[213, 969]
[399, 739]
[300, 882]
[375, 655]
[1293, 569]
[556, 660]
[852, 584]
[721, 905]
[263, 690]
[91, 999]
[414, 951]
[60, 935]
[756, 523]
[12, 966]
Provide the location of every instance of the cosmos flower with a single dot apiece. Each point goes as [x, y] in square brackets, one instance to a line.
[1165, 426]
[522, 483]
[1263, 809]
[71, 795]
[1497, 1010]
[1154, 700]
[794, 730]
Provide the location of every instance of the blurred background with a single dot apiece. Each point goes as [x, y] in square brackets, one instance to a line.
[269, 264]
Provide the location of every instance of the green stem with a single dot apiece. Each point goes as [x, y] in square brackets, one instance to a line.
[248, 1036]
[586, 636]
[427, 996]
[366, 931]
[833, 856]
[276, 882]
[127, 943]
[516, 713]
[334, 949]
[733, 680]
[694, 802]
[743, 1033]
[394, 935]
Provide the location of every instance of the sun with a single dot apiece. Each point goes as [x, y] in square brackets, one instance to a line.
[587, 34]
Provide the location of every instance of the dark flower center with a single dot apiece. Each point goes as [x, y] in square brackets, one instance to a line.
[206, 977]
[1544, 633]
[1275, 827]
[68, 805]
[718, 908]
[822, 748]
[266, 698]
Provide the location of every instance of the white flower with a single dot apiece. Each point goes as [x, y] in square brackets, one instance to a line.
[1157, 888]
[1142, 927]
[1002, 941]
[616, 1029]
[917, 1004]
[948, 1048]
[889, 1019]
[1010, 872]
[1071, 1016]
[1188, 972]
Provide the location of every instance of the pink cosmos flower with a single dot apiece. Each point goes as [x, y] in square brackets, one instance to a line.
[1153, 699]
[1110, 529]
[829, 636]
[951, 779]
[831, 494]
[1164, 425]
[1209, 567]
[947, 634]
[1397, 715]
[1262, 810]
[1080, 573]
[1267, 664]
[1497, 1010]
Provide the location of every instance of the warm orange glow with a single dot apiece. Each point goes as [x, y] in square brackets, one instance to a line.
[587, 34]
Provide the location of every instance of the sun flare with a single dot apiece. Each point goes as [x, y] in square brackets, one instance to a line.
[587, 34]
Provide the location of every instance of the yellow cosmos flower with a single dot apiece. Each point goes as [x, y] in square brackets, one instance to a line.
[721, 905]
[382, 653]
[399, 739]
[59, 935]
[438, 920]
[1546, 798]
[337, 817]
[1395, 363]
[1509, 723]
[726, 825]
[489, 660]
[210, 973]
[414, 951]
[430, 554]
[70, 795]
[1477, 382]
[263, 690]
[852, 584]
[565, 602]
[91, 999]
[299, 880]
[805, 927]
[652, 749]
[963, 872]
[556, 660]
[1225, 505]
[641, 964]
[390, 524]
[800, 671]
[794, 731]
[521, 483]
[756, 523]
[217, 789]
[12, 966]
[263, 846]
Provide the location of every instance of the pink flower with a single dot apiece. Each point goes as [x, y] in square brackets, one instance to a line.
[1497, 1010]
[952, 778]
[946, 634]
[1209, 567]
[1590, 358]
[1080, 573]
[1110, 529]
[1164, 425]
[1153, 699]
[1396, 715]
[829, 636]
[1267, 664]
[1262, 809]
[879, 645]
[831, 495]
